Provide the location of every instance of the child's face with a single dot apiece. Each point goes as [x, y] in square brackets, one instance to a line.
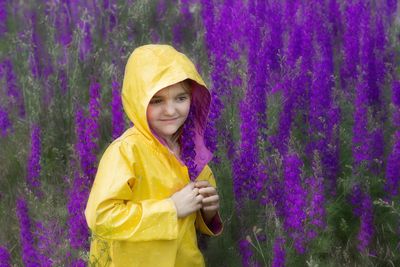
[168, 110]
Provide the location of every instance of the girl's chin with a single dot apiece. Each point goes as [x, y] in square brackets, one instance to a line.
[167, 134]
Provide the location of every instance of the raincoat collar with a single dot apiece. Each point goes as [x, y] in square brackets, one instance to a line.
[151, 68]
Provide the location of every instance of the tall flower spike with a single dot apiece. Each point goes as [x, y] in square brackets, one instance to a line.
[14, 93]
[246, 252]
[295, 198]
[393, 162]
[34, 167]
[3, 17]
[5, 259]
[360, 131]
[366, 232]
[78, 230]
[187, 144]
[118, 122]
[5, 123]
[279, 252]
[85, 46]
[30, 257]
[351, 43]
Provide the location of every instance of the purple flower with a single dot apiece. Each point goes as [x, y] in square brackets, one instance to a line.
[34, 58]
[3, 17]
[78, 230]
[80, 131]
[85, 46]
[30, 256]
[92, 130]
[63, 25]
[351, 43]
[360, 131]
[62, 77]
[279, 252]
[33, 169]
[117, 119]
[393, 161]
[393, 168]
[110, 11]
[295, 199]
[188, 146]
[5, 259]
[78, 263]
[5, 123]
[245, 167]
[246, 252]
[48, 238]
[14, 93]
[391, 8]
[396, 103]
[87, 132]
[257, 70]
[274, 42]
[366, 231]
[335, 17]
[220, 50]
[161, 9]
[316, 202]
[363, 208]
[185, 10]
[177, 33]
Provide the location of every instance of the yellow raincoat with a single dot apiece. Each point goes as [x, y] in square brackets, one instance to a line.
[131, 216]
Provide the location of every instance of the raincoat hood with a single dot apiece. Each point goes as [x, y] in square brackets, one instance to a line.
[151, 68]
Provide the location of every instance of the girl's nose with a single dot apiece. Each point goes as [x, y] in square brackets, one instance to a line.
[169, 108]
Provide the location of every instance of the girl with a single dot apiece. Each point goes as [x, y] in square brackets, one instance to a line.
[153, 187]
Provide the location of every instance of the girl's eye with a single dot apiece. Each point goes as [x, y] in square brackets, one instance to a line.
[156, 101]
[182, 98]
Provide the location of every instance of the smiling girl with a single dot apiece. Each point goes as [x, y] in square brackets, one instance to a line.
[150, 195]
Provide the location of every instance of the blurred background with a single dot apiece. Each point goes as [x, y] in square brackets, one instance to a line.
[304, 123]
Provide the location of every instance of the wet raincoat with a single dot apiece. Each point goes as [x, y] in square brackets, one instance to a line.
[129, 211]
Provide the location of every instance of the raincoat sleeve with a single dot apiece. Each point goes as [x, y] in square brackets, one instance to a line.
[111, 212]
[215, 227]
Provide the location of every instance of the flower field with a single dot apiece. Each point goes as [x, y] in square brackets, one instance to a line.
[304, 123]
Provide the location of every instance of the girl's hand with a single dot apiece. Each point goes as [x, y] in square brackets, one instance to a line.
[187, 200]
[210, 200]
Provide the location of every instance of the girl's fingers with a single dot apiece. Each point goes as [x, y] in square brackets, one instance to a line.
[214, 207]
[211, 199]
[195, 191]
[199, 199]
[208, 191]
[201, 184]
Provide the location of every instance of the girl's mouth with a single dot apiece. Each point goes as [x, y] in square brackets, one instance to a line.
[170, 120]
